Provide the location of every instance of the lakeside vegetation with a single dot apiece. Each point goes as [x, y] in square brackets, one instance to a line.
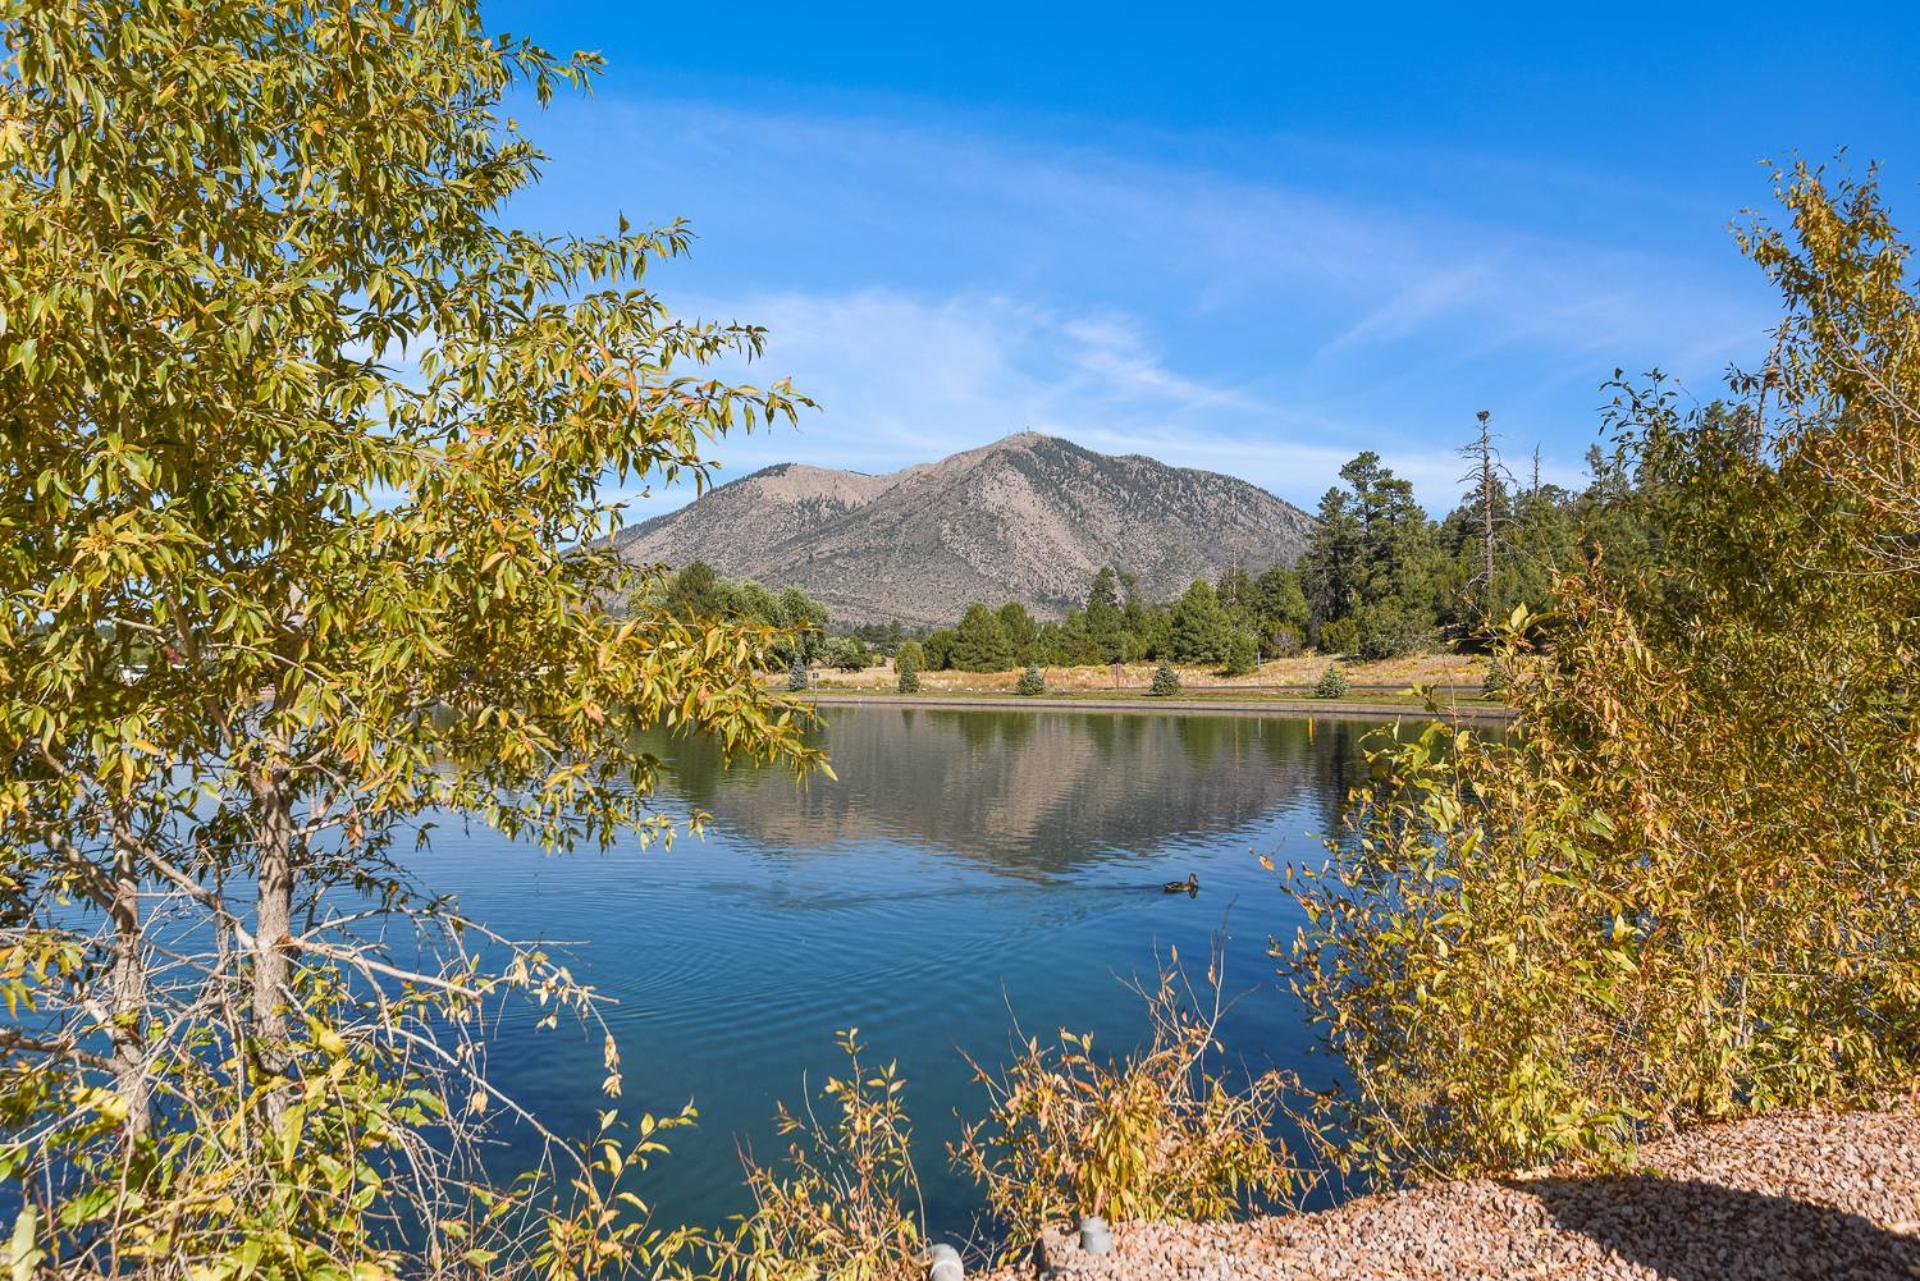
[306, 448]
[1379, 580]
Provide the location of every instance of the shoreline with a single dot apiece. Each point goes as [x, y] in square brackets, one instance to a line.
[1295, 708]
[1784, 1196]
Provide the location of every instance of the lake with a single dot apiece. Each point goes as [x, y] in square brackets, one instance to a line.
[967, 867]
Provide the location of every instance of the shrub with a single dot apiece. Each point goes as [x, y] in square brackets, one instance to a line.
[1687, 887]
[908, 668]
[1496, 680]
[848, 654]
[1341, 636]
[1333, 683]
[1387, 630]
[797, 677]
[1166, 681]
[1031, 682]
[1283, 641]
[1160, 1134]
[846, 1201]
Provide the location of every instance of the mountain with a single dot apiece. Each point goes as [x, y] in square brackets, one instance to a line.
[1029, 518]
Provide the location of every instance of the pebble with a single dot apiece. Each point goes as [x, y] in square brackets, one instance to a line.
[1788, 1197]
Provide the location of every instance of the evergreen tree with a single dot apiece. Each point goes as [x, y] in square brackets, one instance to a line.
[1166, 681]
[1236, 592]
[1031, 682]
[797, 674]
[907, 665]
[1197, 629]
[1333, 683]
[1330, 568]
[1104, 625]
[1280, 613]
[980, 642]
[1103, 598]
[1373, 545]
[1017, 625]
[693, 591]
[1243, 654]
[937, 650]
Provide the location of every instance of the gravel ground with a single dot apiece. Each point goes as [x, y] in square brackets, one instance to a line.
[1777, 1197]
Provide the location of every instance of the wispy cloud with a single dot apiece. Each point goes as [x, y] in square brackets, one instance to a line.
[935, 287]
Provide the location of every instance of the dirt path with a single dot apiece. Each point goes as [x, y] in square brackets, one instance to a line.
[1833, 1198]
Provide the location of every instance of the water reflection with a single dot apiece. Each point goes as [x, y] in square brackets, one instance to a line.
[1027, 794]
[964, 867]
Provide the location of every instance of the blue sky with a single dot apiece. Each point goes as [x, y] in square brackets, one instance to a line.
[1236, 237]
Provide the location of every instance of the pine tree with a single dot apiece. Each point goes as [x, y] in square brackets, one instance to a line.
[1198, 628]
[1166, 681]
[797, 674]
[1243, 654]
[1333, 683]
[1496, 680]
[1031, 682]
[908, 665]
[980, 642]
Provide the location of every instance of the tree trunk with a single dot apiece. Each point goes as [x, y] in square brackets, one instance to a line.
[128, 1001]
[273, 916]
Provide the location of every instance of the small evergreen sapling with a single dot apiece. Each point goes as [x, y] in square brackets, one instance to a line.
[1495, 682]
[1333, 683]
[1166, 681]
[797, 674]
[1031, 682]
[909, 669]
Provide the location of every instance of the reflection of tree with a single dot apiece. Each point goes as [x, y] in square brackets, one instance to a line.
[1026, 792]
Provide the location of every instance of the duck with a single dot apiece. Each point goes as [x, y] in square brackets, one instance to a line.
[1189, 886]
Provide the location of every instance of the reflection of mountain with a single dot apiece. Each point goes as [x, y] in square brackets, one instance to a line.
[1029, 793]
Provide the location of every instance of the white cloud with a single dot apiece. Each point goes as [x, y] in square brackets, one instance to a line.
[936, 287]
[906, 380]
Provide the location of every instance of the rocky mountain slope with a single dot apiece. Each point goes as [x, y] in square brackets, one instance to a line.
[1028, 518]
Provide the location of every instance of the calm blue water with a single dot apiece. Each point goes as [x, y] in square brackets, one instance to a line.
[966, 867]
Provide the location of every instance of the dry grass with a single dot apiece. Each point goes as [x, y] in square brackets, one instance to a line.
[1461, 671]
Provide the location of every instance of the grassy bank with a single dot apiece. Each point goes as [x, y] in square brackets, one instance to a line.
[1282, 686]
[1359, 704]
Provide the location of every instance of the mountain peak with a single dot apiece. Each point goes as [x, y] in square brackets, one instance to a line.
[916, 545]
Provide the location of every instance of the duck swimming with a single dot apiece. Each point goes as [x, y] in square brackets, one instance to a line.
[1190, 886]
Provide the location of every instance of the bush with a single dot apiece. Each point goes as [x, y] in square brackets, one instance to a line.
[797, 677]
[1243, 654]
[1333, 683]
[848, 654]
[1284, 641]
[1686, 887]
[1341, 636]
[1496, 680]
[908, 668]
[1387, 630]
[1160, 1134]
[1031, 682]
[1166, 681]
[846, 1202]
